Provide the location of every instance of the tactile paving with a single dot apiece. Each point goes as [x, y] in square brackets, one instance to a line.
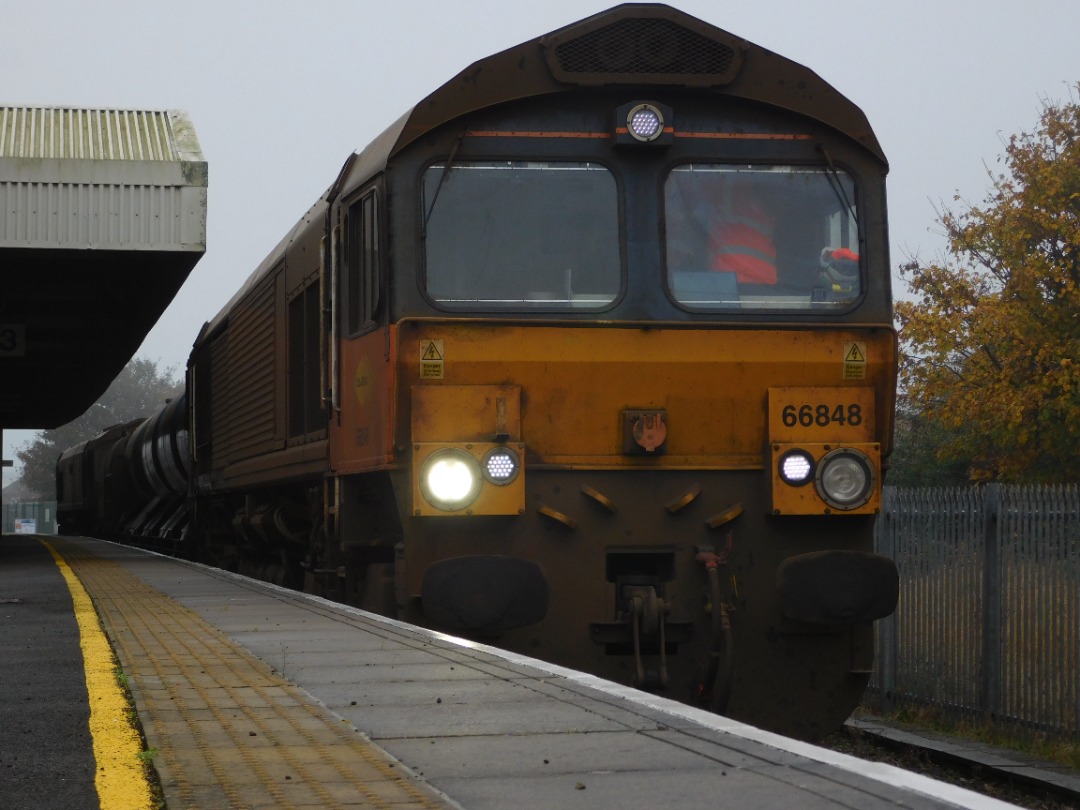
[228, 731]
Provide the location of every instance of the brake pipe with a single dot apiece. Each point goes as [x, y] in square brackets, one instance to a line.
[721, 657]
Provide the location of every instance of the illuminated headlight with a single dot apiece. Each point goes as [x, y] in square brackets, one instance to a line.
[450, 479]
[501, 465]
[845, 478]
[645, 123]
[796, 467]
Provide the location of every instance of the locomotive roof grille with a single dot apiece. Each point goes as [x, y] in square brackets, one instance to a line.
[644, 46]
[644, 49]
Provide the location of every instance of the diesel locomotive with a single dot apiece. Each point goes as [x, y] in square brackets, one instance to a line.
[589, 355]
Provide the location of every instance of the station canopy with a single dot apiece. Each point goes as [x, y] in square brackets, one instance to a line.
[102, 218]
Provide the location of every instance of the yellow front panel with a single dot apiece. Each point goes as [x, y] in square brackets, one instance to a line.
[712, 384]
[807, 499]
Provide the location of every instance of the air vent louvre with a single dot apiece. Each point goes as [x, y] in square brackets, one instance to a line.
[647, 47]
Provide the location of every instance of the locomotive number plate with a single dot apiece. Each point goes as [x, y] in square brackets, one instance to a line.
[821, 414]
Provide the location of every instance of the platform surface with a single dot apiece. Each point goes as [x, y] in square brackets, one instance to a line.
[422, 719]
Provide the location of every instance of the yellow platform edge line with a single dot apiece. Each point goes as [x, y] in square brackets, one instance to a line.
[120, 776]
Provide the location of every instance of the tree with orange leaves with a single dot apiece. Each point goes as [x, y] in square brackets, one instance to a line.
[991, 343]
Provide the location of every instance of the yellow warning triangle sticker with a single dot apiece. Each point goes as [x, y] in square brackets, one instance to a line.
[855, 354]
[430, 352]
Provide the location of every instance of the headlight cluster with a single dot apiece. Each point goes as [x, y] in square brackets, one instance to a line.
[451, 478]
[822, 448]
[844, 477]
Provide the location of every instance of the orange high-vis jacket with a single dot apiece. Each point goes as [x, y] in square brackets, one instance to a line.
[742, 242]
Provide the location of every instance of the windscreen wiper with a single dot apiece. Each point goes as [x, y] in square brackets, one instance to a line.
[837, 186]
[442, 179]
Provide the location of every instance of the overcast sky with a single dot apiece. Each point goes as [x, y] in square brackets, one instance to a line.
[280, 93]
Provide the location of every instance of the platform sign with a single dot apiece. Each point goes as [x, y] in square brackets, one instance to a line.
[12, 340]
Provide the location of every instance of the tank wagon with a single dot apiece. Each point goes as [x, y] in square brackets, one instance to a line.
[131, 480]
[589, 355]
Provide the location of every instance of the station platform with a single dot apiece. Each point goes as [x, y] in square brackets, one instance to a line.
[254, 696]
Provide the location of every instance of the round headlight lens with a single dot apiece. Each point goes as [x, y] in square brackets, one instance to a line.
[845, 478]
[796, 467]
[501, 465]
[450, 479]
[645, 123]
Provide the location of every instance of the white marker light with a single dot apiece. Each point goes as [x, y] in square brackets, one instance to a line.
[645, 123]
[501, 465]
[796, 467]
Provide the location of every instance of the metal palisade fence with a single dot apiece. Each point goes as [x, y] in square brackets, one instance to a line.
[988, 622]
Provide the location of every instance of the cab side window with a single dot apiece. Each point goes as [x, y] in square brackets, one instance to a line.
[362, 256]
[307, 414]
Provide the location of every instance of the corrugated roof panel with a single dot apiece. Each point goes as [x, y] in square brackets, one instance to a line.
[102, 216]
[84, 134]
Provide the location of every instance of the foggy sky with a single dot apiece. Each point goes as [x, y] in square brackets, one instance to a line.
[280, 93]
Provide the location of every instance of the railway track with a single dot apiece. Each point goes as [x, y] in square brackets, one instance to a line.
[1005, 775]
